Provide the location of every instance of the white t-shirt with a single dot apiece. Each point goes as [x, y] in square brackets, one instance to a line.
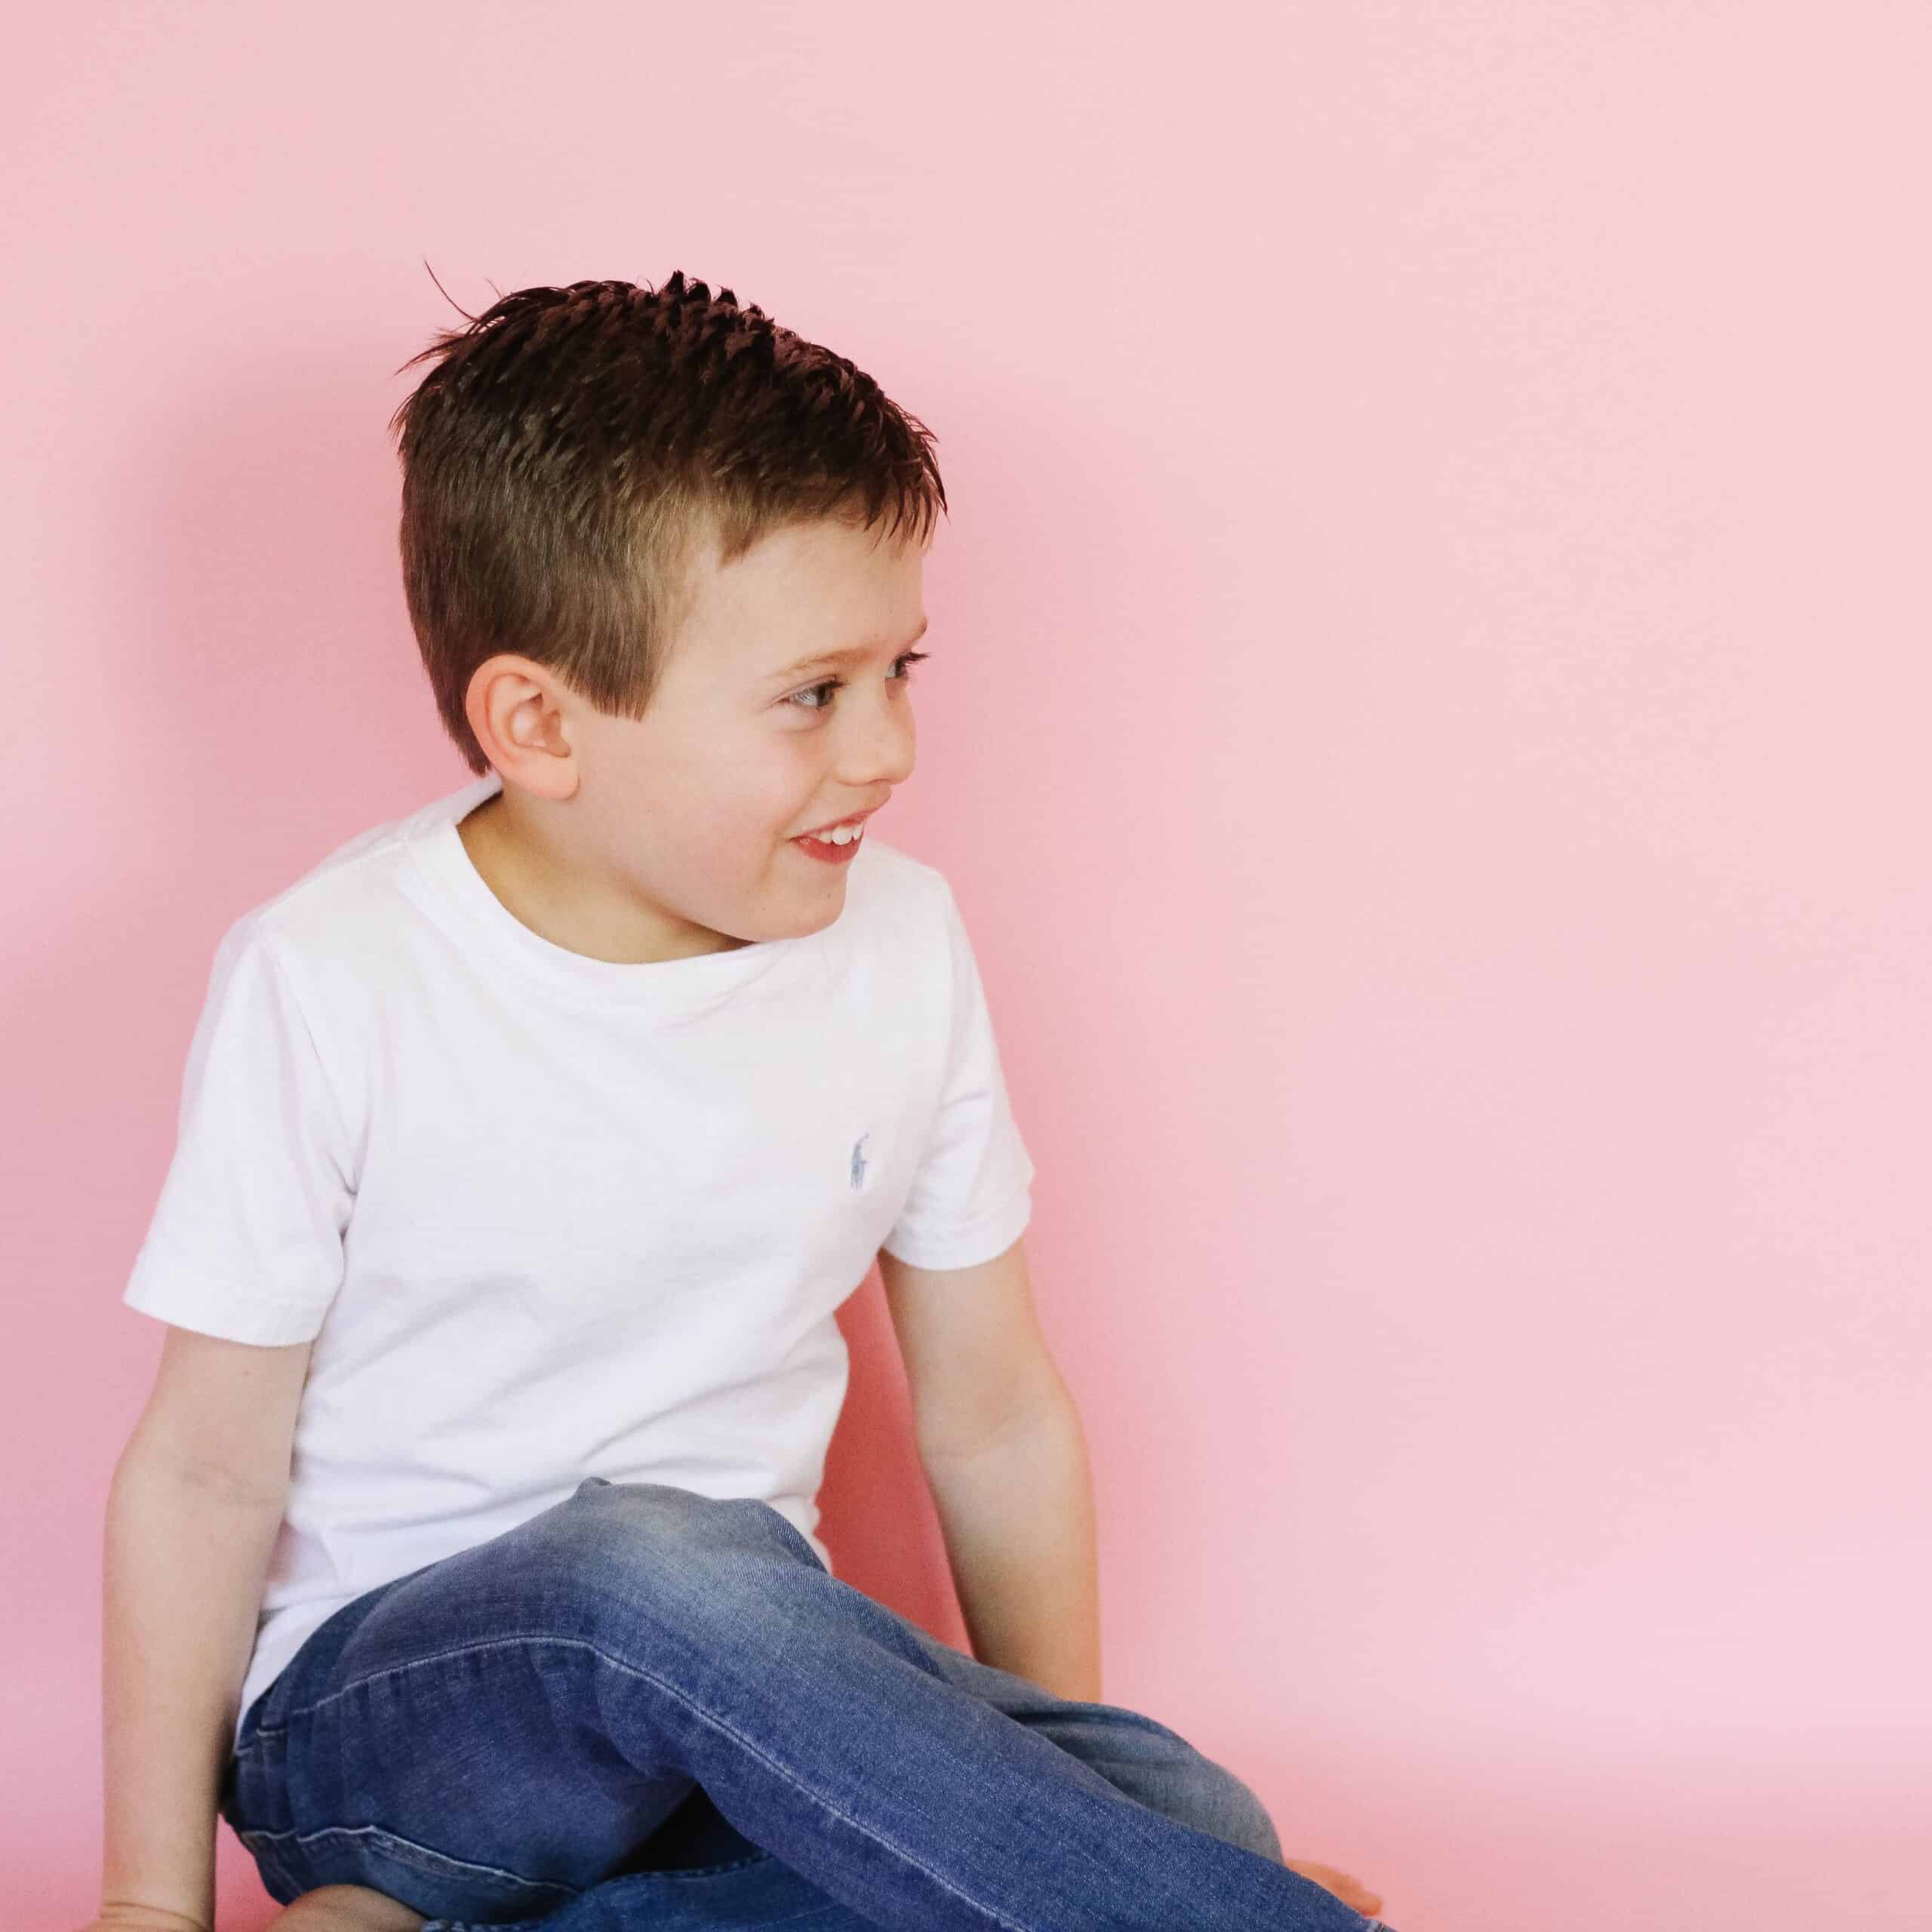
[548, 1216]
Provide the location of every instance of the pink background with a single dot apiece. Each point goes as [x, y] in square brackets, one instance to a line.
[1428, 723]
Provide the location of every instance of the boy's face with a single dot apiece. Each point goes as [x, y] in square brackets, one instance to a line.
[684, 822]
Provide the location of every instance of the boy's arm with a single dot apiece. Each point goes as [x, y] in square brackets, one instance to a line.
[192, 1513]
[1001, 1445]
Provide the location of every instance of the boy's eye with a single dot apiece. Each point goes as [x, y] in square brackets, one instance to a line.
[908, 658]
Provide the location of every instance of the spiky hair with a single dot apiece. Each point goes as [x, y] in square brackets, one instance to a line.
[570, 450]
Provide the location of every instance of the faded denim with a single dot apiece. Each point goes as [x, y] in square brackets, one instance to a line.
[645, 1710]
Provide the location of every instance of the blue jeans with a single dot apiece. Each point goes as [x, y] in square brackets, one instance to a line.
[645, 1710]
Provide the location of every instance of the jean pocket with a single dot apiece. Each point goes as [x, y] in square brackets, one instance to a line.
[418, 1876]
[747, 1892]
[275, 1879]
[547, 1918]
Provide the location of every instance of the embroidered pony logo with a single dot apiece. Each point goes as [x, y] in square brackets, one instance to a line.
[859, 1162]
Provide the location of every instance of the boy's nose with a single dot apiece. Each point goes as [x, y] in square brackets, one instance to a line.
[883, 749]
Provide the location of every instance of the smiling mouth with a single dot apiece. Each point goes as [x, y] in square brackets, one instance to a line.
[852, 826]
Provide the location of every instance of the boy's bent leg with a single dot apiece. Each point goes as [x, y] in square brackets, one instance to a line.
[1152, 1764]
[524, 1705]
[845, 1746]
[419, 1749]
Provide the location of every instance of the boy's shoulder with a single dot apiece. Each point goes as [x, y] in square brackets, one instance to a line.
[344, 901]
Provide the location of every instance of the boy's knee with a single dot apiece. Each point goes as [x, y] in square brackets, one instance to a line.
[639, 1545]
[1219, 1804]
[1249, 1824]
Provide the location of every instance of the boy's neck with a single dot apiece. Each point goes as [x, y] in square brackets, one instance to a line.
[536, 884]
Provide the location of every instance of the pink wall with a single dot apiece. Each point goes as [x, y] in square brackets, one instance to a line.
[1427, 718]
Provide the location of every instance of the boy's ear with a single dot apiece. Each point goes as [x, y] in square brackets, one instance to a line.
[517, 709]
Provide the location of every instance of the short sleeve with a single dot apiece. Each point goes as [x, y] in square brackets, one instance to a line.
[971, 1197]
[246, 1241]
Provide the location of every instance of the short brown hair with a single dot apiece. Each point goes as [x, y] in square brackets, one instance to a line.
[570, 446]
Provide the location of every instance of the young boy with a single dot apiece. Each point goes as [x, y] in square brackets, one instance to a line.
[528, 1145]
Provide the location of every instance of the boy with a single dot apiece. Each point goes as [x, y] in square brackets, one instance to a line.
[528, 1145]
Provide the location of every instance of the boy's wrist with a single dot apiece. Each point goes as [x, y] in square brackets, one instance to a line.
[134, 1914]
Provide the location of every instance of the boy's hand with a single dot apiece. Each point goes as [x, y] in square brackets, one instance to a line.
[1350, 1891]
[347, 1908]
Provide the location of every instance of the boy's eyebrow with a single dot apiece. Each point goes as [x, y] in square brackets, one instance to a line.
[851, 654]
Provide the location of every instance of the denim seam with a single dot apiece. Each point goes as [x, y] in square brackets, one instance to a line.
[438, 1863]
[716, 1723]
[271, 1866]
[694, 1871]
[810, 1912]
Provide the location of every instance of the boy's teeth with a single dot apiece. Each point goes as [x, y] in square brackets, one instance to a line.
[839, 835]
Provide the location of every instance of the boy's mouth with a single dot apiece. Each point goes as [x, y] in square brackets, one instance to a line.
[826, 842]
[850, 822]
[829, 851]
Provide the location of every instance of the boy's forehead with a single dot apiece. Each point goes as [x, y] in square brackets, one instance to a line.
[852, 653]
[798, 600]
